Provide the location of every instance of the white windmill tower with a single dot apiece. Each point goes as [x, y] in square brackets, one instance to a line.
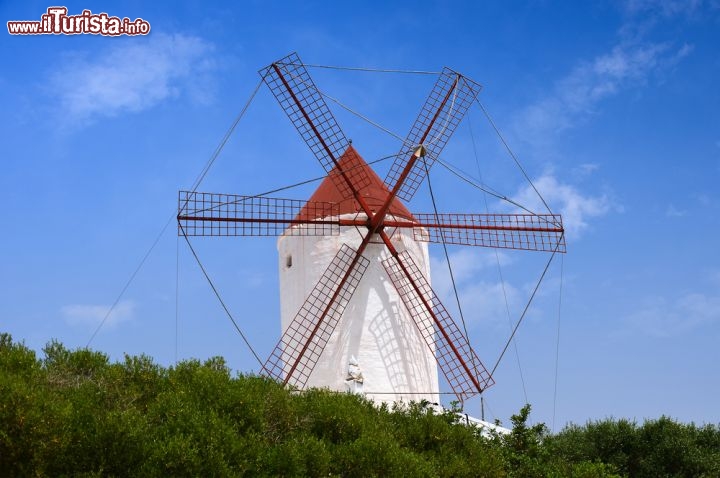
[354, 268]
[376, 331]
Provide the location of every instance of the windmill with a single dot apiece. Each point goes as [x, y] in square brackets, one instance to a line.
[353, 260]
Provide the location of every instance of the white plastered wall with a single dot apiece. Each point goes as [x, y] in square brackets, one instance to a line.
[376, 328]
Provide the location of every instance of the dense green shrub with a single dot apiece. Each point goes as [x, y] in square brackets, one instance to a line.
[657, 448]
[73, 413]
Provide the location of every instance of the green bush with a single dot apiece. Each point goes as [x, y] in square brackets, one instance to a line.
[73, 413]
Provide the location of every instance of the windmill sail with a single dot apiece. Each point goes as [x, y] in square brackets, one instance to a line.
[530, 232]
[442, 112]
[294, 89]
[294, 357]
[211, 214]
[459, 363]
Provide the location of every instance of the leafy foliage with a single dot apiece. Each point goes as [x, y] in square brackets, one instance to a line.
[73, 413]
[657, 448]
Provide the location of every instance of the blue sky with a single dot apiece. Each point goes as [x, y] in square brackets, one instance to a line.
[612, 107]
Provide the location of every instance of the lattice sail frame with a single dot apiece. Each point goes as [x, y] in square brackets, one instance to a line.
[210, 214]
[294, 357]
[444, 109]
[294, 89]
[459, 363]
[529, 232]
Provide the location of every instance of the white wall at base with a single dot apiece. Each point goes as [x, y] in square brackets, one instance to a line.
[486, 428]
[376, 328]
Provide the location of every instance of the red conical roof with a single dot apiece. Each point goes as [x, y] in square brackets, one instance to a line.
[374, 193]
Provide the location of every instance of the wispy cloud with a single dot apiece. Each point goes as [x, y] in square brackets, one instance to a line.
[466, 263]
[577, 95]
[663, 8]
[585, 169]
[131, 76]
[629, 63]
[482, 299]
[672, 211]
[575, 207]
[91, 315]
[661, 317]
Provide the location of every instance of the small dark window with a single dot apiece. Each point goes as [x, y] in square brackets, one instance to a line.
[288, 262]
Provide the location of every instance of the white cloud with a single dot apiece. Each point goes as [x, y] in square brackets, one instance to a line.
[482, 300]
[485, 301]
[92, 315]
[575, 207]
[585, 169]
[665, 8]
[630, 63]
[664, 318]
[466, 264]
[577, 95]
[672, 211]
[131, 76]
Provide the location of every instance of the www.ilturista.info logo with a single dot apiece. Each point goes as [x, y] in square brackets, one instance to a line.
[57, 22]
